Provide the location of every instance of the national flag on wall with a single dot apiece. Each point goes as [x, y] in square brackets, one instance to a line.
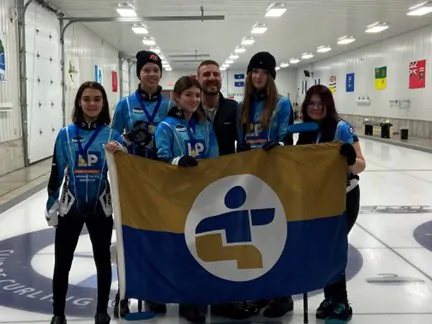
[350, 84]
[114, 81]
[381, 78]
[2, 57]
[239, 76]
[417, 74]
[332, 84]
[225, 230]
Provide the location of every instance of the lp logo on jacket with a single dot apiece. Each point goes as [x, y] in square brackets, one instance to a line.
[237, 228]
[197, 149]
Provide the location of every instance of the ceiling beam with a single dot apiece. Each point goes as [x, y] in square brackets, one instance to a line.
[144, 19]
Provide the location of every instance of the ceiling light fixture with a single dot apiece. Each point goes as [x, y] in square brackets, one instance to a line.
[294, 61]
[139, 29]
[248, 41]
[155, 50]
[168, 69]
[149, 41]
[324, 49]
[229, 61]
[344, 40]
[275, 10]
[306, 56]
[225, 65]
[126, 9]
[376, 27]
[277, 68]
[234, 57]
[223, 69]
[420, 9]
[240, 49]
[284, 65]
[259, 28]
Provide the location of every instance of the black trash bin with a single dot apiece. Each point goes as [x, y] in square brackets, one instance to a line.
[404, 133]
[368, 130]
[385, 129]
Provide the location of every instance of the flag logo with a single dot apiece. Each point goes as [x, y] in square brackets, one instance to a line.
[236, 233]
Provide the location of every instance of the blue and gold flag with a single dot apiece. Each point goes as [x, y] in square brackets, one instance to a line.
[245, 226]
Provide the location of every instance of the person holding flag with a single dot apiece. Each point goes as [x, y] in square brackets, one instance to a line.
[136, 117]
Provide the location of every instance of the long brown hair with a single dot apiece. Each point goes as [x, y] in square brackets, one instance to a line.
[187, 82]
[270, 102]
[78, 114]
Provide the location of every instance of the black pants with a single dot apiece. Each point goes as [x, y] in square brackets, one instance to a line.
[66, 239]
[338, 291]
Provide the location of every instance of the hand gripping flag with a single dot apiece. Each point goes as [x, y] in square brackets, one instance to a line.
[246, 226]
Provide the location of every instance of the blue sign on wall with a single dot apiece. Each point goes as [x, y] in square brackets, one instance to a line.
[239, 84]
[239, 76]
[98, 76]
[350, 82]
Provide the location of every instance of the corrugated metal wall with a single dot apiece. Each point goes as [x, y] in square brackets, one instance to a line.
[10, 121]
[396, 54]
[84, 50]
[44, 95]
[11, 145]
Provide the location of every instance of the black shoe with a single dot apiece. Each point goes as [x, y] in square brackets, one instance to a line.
[58, 320]
[324, 309]
[279, 307]
[123, 305]
[192, 313]
[102, 318]
[240, 310]
[341, 314]
[156, 308]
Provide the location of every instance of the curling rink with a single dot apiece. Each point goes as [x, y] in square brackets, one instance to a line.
[390, 264]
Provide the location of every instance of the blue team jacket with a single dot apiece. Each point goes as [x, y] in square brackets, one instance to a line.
[140, 106]
[85, 189]
[256, 136]
[175, 137]
[345, 133]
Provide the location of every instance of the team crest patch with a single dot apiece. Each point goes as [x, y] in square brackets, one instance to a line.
[351, 130]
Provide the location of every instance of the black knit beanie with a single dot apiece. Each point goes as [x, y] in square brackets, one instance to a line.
[144, 57]
[265, 61]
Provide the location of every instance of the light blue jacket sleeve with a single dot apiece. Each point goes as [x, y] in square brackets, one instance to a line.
[58, 166]
[164, 141]
[116, 136]
[346, 133]
[213, 150]
[284, 117]
[119, 122]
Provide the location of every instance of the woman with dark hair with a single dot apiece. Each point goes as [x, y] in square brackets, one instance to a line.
[186, 135]
[263, 120]
[319, 107]
[79, 160]
[182, 138]
[136, 117]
